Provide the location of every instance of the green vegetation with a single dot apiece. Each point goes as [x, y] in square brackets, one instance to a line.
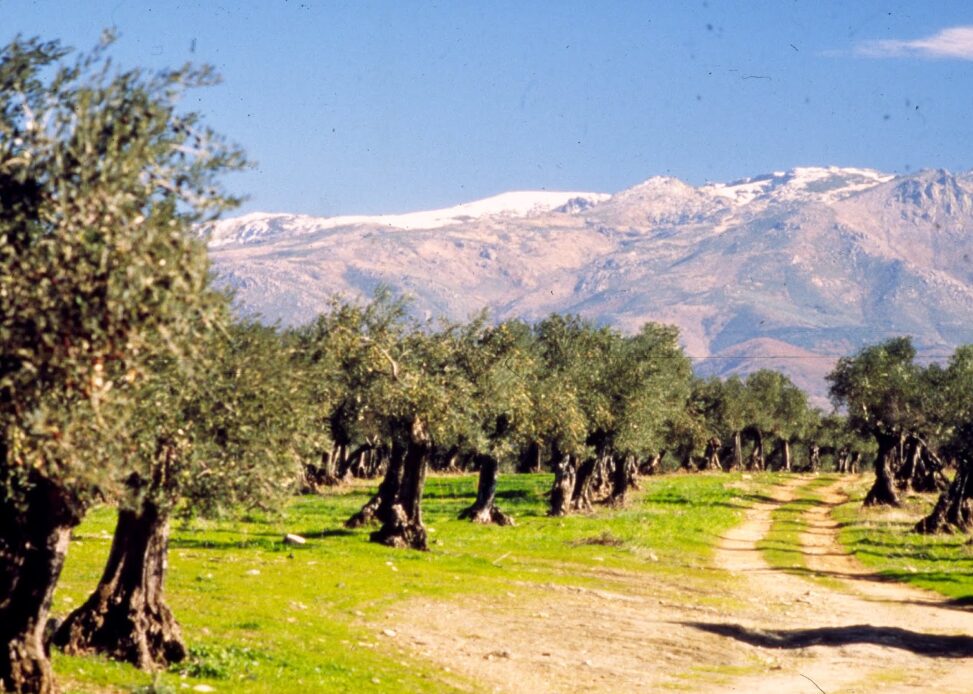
[297, 625]
[126, 382]
[883, 540]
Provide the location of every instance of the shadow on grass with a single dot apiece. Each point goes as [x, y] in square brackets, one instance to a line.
[934, 645]
[333, 532]
[190, 543]
[517, 494]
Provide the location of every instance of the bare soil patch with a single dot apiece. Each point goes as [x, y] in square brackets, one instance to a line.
[772, 631]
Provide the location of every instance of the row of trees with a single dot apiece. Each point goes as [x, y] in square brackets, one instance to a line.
[596, 406]
[124, 378]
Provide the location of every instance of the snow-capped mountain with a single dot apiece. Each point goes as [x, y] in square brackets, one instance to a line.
[787, 270]
[258, 226]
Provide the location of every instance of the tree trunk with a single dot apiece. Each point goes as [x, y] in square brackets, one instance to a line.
[33, 543]
[882, 492]
[581, 494]
[484, 509]
[530, 459]
[561, 490]
[342, 464]
[650, 466]
[402, 526]
[317, 476]
[126, 617]
[757, 461]
[785, 451]
[737, 460]
[622, 477]
[843, 462]
[905, 475]
[600, 484]
[814, 457]
[953, 510]
[712, 454]
[379, 506]
[928, 472]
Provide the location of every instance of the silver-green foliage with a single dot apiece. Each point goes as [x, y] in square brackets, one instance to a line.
[101, 180]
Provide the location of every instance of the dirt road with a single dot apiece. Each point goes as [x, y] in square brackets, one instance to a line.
[774, 631]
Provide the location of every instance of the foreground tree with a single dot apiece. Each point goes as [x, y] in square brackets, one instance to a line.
[100, 182]
[206, 439]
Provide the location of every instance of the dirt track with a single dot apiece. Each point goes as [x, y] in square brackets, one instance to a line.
[779, 631]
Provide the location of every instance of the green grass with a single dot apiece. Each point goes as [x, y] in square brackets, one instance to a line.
[263, 617]
[882, 539]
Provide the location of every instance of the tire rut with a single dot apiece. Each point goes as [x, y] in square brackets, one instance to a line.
[862, 636]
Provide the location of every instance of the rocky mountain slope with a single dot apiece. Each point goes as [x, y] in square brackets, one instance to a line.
[787, 270]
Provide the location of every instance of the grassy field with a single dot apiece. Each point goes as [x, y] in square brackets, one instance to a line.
[260, 616]
[883, 541]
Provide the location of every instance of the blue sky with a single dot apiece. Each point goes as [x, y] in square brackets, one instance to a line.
[365, 107]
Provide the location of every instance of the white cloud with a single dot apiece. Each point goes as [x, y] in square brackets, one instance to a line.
[954, 42]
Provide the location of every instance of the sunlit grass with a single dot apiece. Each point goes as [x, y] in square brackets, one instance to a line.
[882, 539]
[261, 616]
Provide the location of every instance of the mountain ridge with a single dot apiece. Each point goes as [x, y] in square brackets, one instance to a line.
[803, 264]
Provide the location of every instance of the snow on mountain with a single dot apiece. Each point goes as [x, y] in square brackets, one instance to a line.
[259, 227]
[786, 270]
[802, 184]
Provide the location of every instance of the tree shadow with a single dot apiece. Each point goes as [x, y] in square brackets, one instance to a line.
[332, 532]
[517, 494]
[933, 645]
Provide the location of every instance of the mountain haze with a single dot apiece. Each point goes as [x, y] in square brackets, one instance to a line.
[786, 270]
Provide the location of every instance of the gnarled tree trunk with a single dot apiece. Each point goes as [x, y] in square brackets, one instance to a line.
[814, 457]
[653, 464]
[954, 508]
[33, 544]
[563, 487]
[379, 506]
[484, 509]
[905, 474]
[623, 476]
[757, 461]
[882, 492]
[402, 525]
[712, 454]
[581, 494]
[126, 617]
[600, 484]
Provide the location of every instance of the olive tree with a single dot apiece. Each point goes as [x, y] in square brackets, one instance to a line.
[500, 364]
[101, 179]
[880, 387]
[650, 383]
[206, 437]
[954, 508]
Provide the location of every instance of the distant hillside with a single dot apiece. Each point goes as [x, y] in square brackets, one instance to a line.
[784, 270]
